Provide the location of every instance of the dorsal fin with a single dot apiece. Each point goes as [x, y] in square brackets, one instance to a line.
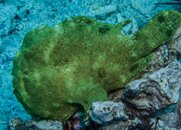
[120, 25]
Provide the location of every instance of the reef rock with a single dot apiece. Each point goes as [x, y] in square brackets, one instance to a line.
[170, 117]
[158, 124]
[134, 124]
[103, 112]
[158, 90]
[18, 124]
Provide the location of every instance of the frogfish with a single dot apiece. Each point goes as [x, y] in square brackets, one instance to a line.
[62, 69]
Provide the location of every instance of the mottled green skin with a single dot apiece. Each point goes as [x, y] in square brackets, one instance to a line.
[61, 68]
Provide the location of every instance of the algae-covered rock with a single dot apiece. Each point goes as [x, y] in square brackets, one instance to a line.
[60, 69]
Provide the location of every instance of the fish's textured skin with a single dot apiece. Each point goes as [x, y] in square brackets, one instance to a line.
[60, 69]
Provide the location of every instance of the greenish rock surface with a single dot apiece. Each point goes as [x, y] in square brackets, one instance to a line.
[63, 68]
